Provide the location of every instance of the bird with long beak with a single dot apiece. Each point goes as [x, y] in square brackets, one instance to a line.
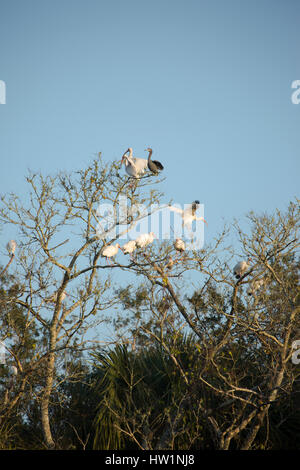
[129, 247]
[153, 165]
[144, 239]
[110, 251]
[134, 167]
[179, 245]
[240, 268]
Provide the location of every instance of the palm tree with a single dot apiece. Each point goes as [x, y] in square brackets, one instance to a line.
[135, 389]
[144, 401]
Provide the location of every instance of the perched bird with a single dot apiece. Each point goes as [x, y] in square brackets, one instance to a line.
[153, 165]
[255, 286]
[13, 370]
[53, 297]
[179, 245]
[134, 167]
[241, 267]
[129, 247]
[11, 247]
[188, 214]
[110, 251]
[144, 239]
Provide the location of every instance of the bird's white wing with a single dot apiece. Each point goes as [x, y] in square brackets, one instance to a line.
[11, 246]
[140, 163]
[187, 211]
[175, 209]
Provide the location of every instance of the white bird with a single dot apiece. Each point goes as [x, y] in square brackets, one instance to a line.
[241, 267]
[144, 239]
[11, 247]
[134, 167]
[188, 214]
[54, 297]
[255, 286]
[129, 247]
[179, 245]
[13, 370]
[110, 251]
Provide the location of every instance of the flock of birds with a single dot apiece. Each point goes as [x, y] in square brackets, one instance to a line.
[141, 241]
[136, 167]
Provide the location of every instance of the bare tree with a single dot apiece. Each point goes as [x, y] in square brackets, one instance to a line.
[243, 340]
[61, 234]
[238, 365]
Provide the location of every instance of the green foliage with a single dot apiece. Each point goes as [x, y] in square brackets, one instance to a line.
[135, 389]
[208, 366]
[143, 401]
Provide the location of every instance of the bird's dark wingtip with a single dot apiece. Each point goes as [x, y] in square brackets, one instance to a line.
[158, 164]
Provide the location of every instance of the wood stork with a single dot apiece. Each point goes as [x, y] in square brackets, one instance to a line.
[134, 167]
[11, 247]
[153, 165]
[188, 214]
[179, 245]
[144, 239]
[241, 267]
[110, 251]
[255, 286]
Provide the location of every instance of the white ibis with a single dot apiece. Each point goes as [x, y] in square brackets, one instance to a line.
[144, 239]
[241, 267]
[188, 214]
[153, 165]
[110, 251]
[11, 247]
[179, 245]
[134, 167]
[129, 247]
[13, 370]
[54, 297]
[255, 286]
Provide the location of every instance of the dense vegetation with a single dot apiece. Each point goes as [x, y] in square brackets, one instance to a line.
[193, 365]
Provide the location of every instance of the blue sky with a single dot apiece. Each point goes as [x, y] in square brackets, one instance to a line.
[206, 84]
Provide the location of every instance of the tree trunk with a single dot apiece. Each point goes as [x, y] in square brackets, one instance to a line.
[261, 416]
[47, 392]
[253, 433]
